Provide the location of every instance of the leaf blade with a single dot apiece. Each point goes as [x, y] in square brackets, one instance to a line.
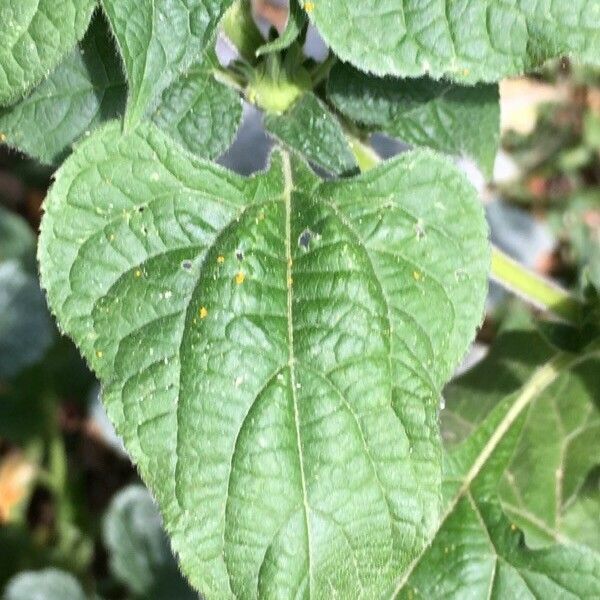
[209, 252]
[36, 36]
[477, 41]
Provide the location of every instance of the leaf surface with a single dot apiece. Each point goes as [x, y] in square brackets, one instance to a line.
[480, 40]
[560, 443]
[310, 129]
[158, 41]
[35, 35]
[455, 119]
[86, 89]
[477, 552]
[199, 112]
[272, 349]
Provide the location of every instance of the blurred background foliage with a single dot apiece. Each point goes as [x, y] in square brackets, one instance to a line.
[75, 520]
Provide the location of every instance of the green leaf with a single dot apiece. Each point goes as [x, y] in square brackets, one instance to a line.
[580, 520]
[310, 129]
[476, 552]
[455, 119]
[561, 436]
[200, 113]
[36, 35]
[271, 349]
[465, 41]
[17, 241]
[86, 89]
[26, 330]
[241, 30]
[139, 552]
[158, 41]
[50, 584]
[293, 28]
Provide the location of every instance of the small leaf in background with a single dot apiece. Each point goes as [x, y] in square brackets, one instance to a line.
[86, 88]
[16, 476]
[200, 113]
[17, 241]
[295, 22]
[310, 129]
[139, 553]
[464, 41]
[158, 41]
[477, 552]
[560, 443]
[359, 297]
[457, 120]
[50, 584]
[26, 330]
[36, 35]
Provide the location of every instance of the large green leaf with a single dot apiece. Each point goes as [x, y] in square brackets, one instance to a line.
[476, 40]
[50, 584]
[272, 349]
[561, 436]
[139, 552]
[158, 41]
[477, 552]
[35, 35]
[86, 89]
[455, 119]
[310, 129]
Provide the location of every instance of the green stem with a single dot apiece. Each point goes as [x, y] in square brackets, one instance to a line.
[533, 288]
[321, 71]
[528, 285]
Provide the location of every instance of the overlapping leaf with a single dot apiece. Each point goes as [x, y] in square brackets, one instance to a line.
[272, 350]
[86, 89]
[309, 128]
[36, 35]
[158, 41]
[560, 442]
[480, 40]
[455, 119]
[477, 552]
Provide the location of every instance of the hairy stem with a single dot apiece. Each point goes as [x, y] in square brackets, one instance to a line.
[533, 288]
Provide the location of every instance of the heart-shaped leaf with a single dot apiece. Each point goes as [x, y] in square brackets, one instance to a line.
[272, 349]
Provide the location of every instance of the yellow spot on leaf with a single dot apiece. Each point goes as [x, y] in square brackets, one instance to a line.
[138, 273]
[2, 137]
[240, 277]
[220, 259]
[203, 312]
[309, 6]
[99, 353]
[417, 275]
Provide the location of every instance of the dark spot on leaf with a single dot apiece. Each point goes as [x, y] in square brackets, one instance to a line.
[305, 237]
[239, 255]
[186, 264]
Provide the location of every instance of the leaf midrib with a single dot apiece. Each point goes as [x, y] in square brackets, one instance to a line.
[287, 196]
